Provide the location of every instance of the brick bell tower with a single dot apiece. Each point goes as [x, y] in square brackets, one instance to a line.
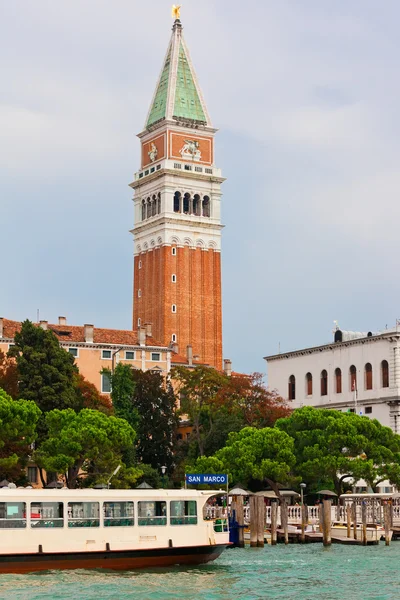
[177, 231]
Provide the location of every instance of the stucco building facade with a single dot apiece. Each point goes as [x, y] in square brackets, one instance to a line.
[357, 372]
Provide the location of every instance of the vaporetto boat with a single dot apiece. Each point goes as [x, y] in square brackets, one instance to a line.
[113, 529]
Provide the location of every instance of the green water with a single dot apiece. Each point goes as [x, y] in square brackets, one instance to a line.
[298, 572]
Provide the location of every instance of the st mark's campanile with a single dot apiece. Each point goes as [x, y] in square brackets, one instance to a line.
[177, 201]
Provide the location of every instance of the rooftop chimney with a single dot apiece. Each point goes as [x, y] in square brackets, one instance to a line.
[142, 336]
[43, 324]
[62, 320]
[189, 354]
[174, 347]
[148, 328]
[88, 333]
[227, 367]
[1, 327]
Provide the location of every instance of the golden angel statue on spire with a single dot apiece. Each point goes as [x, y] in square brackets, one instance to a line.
[176, 11]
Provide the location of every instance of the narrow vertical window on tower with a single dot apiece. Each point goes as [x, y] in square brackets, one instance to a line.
[206, 206]
[186, 203]
[148, 207]
[368, 376]
[309, 384]
[173, 251]
[292, 388]
[138, 322]
[173, 308]
[158, 203]
[173, 278]
[174, 337]
[140, 264]
[143, 210]
[196, 205]
[177, 202]
[139, 293]
[385, 373]
[324, 383]
[154, 206]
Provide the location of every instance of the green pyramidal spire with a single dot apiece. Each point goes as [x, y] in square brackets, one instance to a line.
[178, 96]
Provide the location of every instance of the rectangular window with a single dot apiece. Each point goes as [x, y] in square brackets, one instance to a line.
[47, 514]
[152, 513]
[73, 351]
[155, 356]
[83, 514]
[106, 354]
[209, 171]
[188, 167]
[158, 167]
[183, 512]
[173, 278]
[198, 169]
[32, 474]
[129, 355]
[141, 175]
[352, 410]
[177, 166]
[152, 169]
[105, 384]
[368, 410]
[12, 515]
[118, 514]
[173, 308]
[146, 172]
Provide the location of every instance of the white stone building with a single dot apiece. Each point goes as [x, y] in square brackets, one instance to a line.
[359, 372]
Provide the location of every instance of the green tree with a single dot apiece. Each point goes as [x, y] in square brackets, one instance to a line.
[266, 455]
[77, 440]
[8, 375]
[18, 419]
[331, 446]
[198, 389]
[122, 393]
[45, 370]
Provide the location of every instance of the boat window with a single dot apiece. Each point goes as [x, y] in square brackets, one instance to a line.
[152, 513]
[12, 515]
[118, 514]
[47, 514]
[83, 514]
[183, 512]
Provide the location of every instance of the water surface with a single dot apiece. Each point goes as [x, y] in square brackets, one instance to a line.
[298, 572]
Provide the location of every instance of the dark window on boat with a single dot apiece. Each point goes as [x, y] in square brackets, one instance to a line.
[12, 515]
[118, 514]
[83, 514]
[47, 514]
[152, 513]
[183, 512]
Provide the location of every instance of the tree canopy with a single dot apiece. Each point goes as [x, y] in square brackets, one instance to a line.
[18, 419]
[77, 439]
[331, 445]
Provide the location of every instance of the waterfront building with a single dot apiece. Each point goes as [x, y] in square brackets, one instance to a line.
[95, 349]
[177, 220]
[357, 372]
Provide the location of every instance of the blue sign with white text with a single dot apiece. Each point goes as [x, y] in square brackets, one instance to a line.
[207, 479]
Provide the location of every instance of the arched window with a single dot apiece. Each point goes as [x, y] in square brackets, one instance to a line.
[324, 383]
[177, 202]
[368, 376]
[143, 210]
[385, 373]
[186, 203]
[309, 384]
[206, 206]
[196, 205]
[292, 387]
[148, 207]
[158, 203]
[154, 206]
[338, 381]
[353, 378]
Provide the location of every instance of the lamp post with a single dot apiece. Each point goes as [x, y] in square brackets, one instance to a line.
[302, 488]
[114, 473]
[163, 471]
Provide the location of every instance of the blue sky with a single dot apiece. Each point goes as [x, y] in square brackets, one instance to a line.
[305, 95]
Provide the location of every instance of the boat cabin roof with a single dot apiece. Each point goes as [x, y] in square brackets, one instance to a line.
[93, 495]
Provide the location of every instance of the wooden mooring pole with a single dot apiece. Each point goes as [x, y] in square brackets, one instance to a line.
[240, 520]
[284, 520]
[253, 521]
[326, 525]
[260, 521]
[364, 523]
[386, 519]
[304, 519]
[348, 515]
[354, 514]
[274, 521]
